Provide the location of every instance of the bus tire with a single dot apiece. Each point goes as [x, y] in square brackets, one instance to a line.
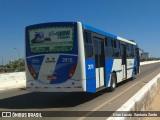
[113, 82]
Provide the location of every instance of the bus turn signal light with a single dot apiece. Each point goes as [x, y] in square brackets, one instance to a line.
[72, 70]
[32, 71]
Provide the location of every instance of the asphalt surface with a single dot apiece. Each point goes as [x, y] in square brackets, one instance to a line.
[21, 100]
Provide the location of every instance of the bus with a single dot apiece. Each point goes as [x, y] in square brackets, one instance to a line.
[76, 57]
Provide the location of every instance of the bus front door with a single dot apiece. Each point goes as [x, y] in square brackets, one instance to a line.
[124, 62]
[99, 61]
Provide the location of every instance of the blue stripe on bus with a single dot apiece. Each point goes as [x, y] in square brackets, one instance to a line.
[90, 75]
[98, 31]
[135, 63]
[108, 65]
[134, 66]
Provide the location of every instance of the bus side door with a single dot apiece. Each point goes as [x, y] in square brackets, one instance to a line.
[99, 61]
[124, 61]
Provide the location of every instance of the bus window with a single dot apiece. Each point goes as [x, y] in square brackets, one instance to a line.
[132, 51]
[128, 51]
[88, 50]
[88, 44]
[109, 42]
[87, 37]
[116, 48]
[115, 45]
[106, 42]
[109, 48]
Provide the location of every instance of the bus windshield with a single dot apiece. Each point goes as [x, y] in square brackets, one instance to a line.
[51, 39]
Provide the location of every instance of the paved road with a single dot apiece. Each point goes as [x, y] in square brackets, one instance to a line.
[22, 100]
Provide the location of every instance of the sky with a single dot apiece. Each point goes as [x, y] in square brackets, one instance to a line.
[138, 20]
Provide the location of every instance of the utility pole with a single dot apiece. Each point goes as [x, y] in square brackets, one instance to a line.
[18, 52]
[19, 57]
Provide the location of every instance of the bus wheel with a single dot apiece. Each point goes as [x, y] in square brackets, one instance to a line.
[113, 82]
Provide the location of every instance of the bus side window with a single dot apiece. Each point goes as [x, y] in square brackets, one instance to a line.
[106, 42]
[88, 44]
[132, 51]
[116, 49]
[109, 48]
[128, 50]
[114, 43]
[87, 37]
[134, 47]
[109, 42]
[88, 50]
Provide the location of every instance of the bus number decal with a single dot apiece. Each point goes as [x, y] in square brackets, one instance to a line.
[64, 60]
[90, 66]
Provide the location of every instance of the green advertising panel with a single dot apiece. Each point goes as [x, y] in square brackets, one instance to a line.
[51, 39]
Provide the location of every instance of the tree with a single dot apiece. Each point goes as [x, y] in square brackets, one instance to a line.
[14, 66]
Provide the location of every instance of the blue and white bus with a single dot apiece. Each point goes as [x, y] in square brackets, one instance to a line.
[75, 57]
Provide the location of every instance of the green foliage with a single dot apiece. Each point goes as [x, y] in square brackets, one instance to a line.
[13, 66]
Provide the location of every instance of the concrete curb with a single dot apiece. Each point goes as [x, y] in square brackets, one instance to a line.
[141, 100]
[148, 62]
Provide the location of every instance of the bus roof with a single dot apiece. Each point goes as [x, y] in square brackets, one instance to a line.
[85, 26]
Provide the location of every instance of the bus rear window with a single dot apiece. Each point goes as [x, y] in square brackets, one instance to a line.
[51, 39]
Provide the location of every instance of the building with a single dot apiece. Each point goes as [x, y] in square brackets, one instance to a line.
[144, 55]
